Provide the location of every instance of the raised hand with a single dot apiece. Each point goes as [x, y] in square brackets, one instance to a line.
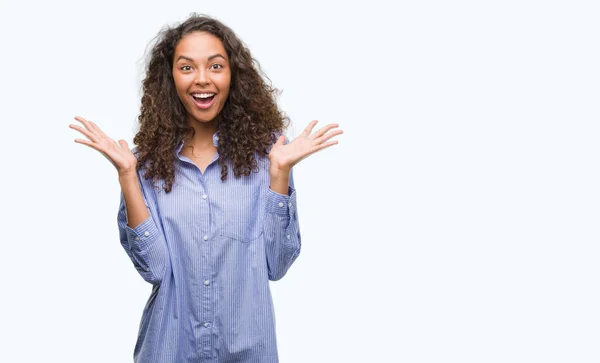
[117, 153]
[285, 156]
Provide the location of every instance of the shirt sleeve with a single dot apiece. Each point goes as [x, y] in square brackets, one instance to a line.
[145, 244]
[281, 230]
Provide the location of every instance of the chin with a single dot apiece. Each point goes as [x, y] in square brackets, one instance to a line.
[201, 117]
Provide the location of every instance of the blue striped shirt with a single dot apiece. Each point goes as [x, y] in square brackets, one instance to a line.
[209, 249]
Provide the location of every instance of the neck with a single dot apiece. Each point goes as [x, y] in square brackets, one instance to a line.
[203, 135]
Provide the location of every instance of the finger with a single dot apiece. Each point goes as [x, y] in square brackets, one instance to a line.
[328, 136]
[309, 128]
[88, 125]
[85, 122]
[87, 133]
[323, 130]
[324, 146]
[87, 143]
[97, 129]
[280, 140]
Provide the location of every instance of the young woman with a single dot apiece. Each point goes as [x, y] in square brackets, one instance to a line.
[208, 240]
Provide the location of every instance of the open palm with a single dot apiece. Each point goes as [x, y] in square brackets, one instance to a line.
[285, 156]
[117, 153]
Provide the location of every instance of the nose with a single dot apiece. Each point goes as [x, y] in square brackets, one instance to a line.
[202, 77]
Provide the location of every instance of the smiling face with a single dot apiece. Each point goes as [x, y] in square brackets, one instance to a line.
[202, 75]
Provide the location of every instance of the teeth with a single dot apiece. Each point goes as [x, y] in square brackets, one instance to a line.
[202, 95]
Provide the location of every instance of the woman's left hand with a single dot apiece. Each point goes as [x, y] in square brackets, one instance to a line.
[284, 156]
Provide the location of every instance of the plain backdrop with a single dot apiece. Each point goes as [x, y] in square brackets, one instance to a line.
[456, 221]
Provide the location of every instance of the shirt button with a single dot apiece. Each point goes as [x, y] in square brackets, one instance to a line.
[207, 325]
[137, 238]
[288, 236]
[290, 204]
[280, 204]
[206, 282]
[146, 233]
[204, 196]
[205, 238]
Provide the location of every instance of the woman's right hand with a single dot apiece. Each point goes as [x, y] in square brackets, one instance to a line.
[117, 153]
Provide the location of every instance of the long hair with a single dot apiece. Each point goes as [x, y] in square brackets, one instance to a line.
[250, 119]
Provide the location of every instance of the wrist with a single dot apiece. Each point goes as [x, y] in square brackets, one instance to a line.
[127, 176]
[278, 171]
[279, 180]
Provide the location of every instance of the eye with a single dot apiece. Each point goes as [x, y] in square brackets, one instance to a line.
[217, 66]
[186, 68]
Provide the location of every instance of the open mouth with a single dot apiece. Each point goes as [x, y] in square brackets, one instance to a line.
[203, 100]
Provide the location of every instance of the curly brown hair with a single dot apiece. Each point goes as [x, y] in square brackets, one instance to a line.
[249, 122]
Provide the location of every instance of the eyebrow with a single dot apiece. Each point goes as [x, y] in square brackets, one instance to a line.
[209, 58]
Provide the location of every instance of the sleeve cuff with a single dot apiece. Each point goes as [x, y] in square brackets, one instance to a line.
[281, 204]
[142, 235]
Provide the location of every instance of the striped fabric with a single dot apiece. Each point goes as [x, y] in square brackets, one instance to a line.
[209, 249]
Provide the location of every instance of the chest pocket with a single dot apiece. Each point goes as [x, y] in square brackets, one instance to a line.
[241, 215]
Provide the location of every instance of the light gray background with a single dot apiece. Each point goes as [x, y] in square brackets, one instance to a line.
[456, 221]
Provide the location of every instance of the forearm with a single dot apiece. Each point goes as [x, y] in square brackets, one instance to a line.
[281, 233]
[137, 212]
[281, 228]
[144, 243]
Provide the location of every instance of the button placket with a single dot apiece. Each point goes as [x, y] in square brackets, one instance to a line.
[205, 197]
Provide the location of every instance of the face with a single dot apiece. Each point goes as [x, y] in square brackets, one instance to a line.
[202, 75]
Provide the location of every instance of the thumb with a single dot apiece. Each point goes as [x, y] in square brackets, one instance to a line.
[123, 144]
[280, 140]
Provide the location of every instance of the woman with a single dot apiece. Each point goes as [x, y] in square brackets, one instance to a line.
[208, 241]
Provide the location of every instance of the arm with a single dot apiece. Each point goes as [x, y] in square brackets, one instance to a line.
[143, 242]
[139, 235]
[281, 228]
[282, 232]
[134, 200]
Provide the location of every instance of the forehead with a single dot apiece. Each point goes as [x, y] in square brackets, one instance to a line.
[199, 45]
